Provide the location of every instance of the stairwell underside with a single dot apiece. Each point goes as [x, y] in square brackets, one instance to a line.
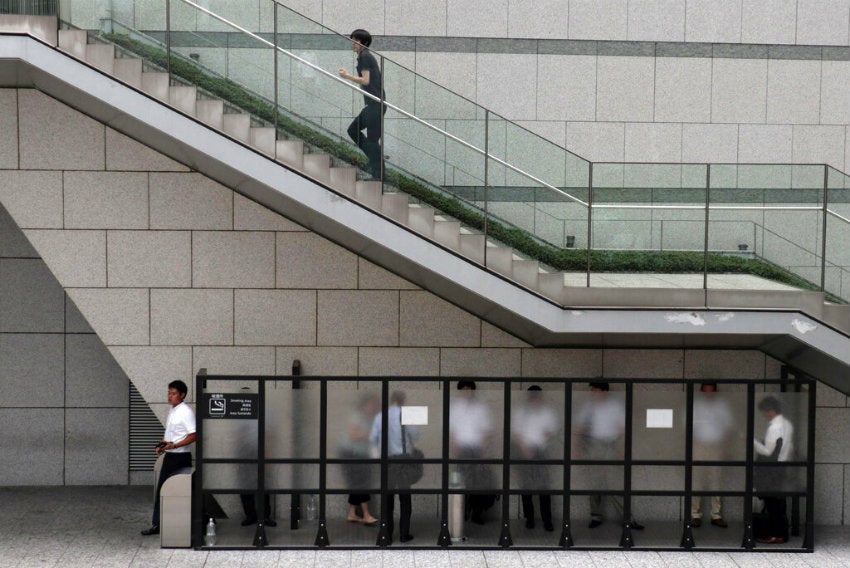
[788, 325]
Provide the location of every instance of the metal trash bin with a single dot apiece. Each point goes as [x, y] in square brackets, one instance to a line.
[175, 508]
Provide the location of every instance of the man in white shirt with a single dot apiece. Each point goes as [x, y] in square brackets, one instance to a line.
[399, 440]
[533, 425]
[778, 446]
[713, 421]
[179, 435]
[470, 438]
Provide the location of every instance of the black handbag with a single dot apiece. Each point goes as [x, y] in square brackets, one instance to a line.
[407, 474]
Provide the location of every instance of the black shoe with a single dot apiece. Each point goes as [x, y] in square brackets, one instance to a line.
[548, 527]
[248, 522]
[696, 522]
[270, 523]
[529, 523]
[151, 531]
[636, 526]
[594, 523]
[405, 538]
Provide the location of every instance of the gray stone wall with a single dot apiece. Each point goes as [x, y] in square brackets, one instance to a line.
[63, 398]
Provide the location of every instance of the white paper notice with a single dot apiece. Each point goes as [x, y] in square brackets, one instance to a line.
[659, 417]
[414, 415]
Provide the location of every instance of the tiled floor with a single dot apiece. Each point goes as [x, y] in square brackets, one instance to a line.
[99, 527]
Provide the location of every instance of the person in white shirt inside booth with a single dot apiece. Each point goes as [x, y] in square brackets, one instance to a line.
[600, 429]
[713, 423]
[778, 446]
[179, 436]
[533, 426]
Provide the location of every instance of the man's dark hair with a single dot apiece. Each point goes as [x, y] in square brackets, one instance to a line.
[465, 384]
[179, 386]
[535, 388]
[600, 386]
[362, 36]
[769, 403]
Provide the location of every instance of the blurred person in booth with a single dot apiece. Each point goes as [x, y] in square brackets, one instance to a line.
[713, 424]
[600, 429]
[533, 425]
[471, 431]
[399, 439]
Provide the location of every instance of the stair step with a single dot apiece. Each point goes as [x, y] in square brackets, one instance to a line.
[344, 180]
[210, 111]
[552, 284]
[74, 42]
[396, 206]
[263, 139]
[500, 259]
[183, 98]
[128, 70]
[238, 126]
[156, 85]
[421, 219]
[472, 246]
[102, 56]
[369, 193]
[527, 272]
[447, 232]
[291, 152]
[318, 167]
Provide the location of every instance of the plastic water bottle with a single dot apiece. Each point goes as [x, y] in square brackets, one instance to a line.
[312, 507]
[209, 537]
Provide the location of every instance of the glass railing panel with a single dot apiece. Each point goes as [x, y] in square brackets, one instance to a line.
[443, 151]
[217, 47]
[837, 277]
[648, 225]
[765, 220]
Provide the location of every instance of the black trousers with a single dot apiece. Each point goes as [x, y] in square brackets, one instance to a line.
[250, 508]
[369, 120]
[777, 514]
[171, 463]
[545, 508]
[406, 503]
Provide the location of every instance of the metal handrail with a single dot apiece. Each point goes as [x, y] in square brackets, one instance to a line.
[425, 123]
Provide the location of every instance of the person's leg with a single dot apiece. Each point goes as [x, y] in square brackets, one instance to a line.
[405, 512]
[170, 464]
[546, 511]
[371, 119]
[528, 510]
[596, 507]
[696, 507]
[249, 508]
[390, 514]
[715, 507]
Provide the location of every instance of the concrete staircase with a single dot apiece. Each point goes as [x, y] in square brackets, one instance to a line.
[292, 153]
[422, 219]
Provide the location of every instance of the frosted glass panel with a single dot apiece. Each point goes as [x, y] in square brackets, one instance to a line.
[476, 419]
[720, 424]
[658, 425]
[292, 421]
